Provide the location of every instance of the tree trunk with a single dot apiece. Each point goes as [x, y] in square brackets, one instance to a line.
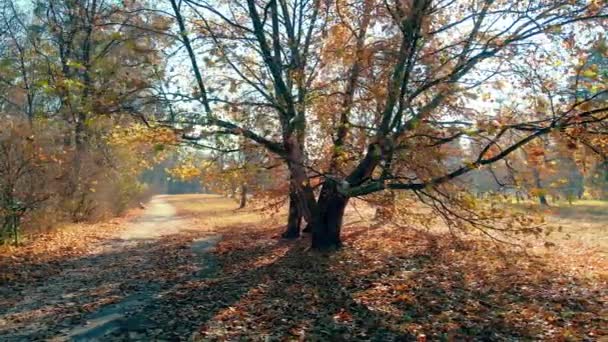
[518, 197]
[539, 185]
[294, 220]
[243, 201]
[330, 207]
[304, 196]
[326, 232]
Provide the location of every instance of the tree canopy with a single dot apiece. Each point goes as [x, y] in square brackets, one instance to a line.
[370, 96]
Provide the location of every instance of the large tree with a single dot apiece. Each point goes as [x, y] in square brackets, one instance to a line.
[368, 94]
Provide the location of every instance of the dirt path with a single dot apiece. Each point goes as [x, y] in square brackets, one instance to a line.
[114, 289]
[159, 219]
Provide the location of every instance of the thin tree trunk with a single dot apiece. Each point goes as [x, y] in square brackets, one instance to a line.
[541, 196]
[543, 200]
[518, 197]
[15, 223]
[243, 201]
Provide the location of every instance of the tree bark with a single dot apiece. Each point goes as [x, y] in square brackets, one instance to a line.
[300, 184]
[539, 185]
[332, 203]
[326, 231]
[294, 220]
[243, 201]
[307, 228]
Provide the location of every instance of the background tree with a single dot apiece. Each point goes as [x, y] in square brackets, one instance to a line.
[74, 76]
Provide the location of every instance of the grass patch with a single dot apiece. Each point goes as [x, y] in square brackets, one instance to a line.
[577, 227]
[218, 212]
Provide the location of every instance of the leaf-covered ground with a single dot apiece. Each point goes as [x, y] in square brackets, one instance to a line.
[396, 285]
[386, 284]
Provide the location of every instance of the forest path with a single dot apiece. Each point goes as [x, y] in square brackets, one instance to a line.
[114, 289]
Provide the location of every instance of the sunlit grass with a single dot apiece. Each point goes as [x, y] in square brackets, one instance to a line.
[582, 224]
[578, 225]
[218, 212]
[582, 208]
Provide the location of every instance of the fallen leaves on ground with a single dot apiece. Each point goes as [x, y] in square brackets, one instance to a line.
[385, 284]
[45, 308]
[391, 284]
[41, 256]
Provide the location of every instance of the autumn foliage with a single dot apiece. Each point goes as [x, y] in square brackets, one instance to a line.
[359, 99]
[443, 142]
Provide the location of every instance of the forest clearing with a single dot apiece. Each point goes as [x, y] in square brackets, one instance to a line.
[303, 170]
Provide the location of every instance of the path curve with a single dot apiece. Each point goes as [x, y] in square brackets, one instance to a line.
[116, 266]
